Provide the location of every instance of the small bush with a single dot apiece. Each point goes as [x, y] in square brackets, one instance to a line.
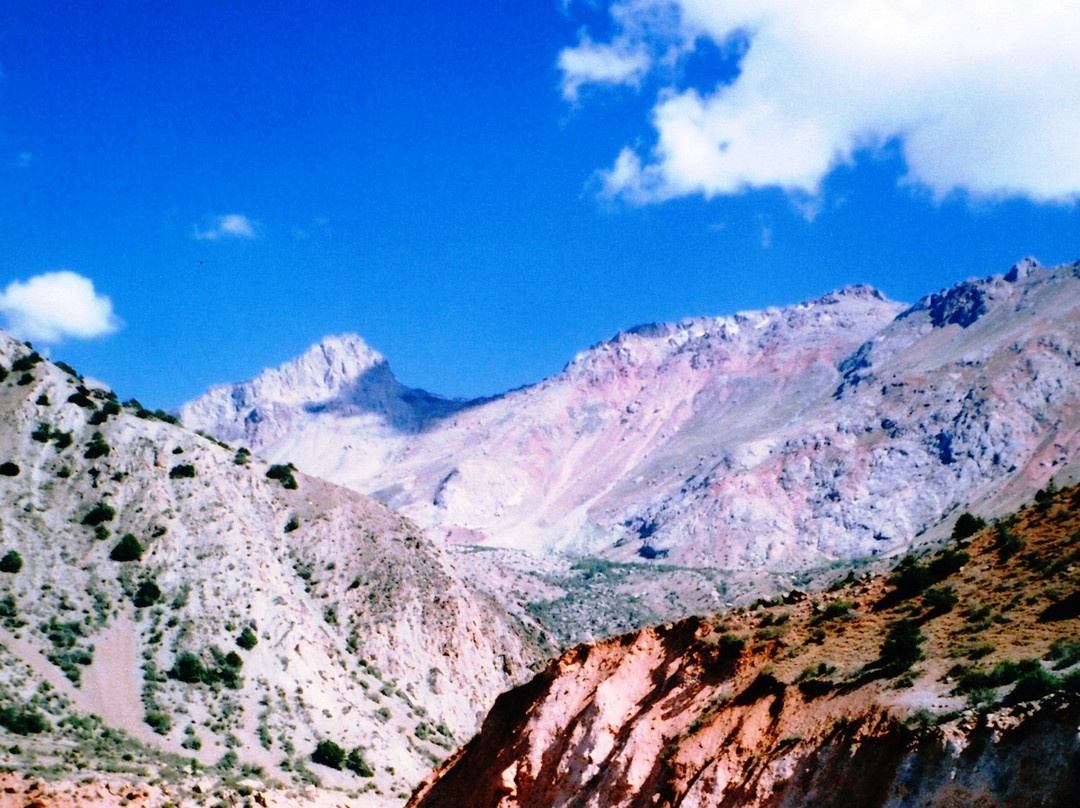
[9, 469]
[838, 610]
[22, 722]
[187, 668]
[357, 765]
[42, 433]
[62, 440]
[147, 594]
[181, 471]
[98, 514]
[901, 647]
[42, 400]
[101, 532]
[940, 599]
[247, 639]
[967, 525]
[97, 447]
[64, 473]
[68, 369]
[1008, 543]
[157, 721]
[25, 362]
[242, 456]
[11, 562]
[910, 578]
[946, 563]
[284, 473]
[82, 400]
[329, 754]
[127, 549]
[731, 644]
[292, 525]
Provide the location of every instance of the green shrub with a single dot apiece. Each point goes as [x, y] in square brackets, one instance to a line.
[1064, 653]
[243, 455]
[1033, 684]
[11, 562]
[910, 578]
[292, 524]
[158, 721]
[328, 753]
[147, 594]
[837, 610]
[82, 400]
[181, 471]
[901, 647]
[101, 532]
[64, 473]
[1008, 543]
[43, 400]
[284, 473]
[940, 599]
[68, 369]
[98, 514]
[97, 447]
[731, 644]
[967, 525]
[187, 668]
[355, 763]
[25, 362]
[9, 469]
[22, 722]
[62, 440]
[127, 549]
[247, 639]
[946, 563]
[42, 433]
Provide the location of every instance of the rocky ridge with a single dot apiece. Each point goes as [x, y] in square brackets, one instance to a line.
[952, 680]
[169, 604]
[783, 439]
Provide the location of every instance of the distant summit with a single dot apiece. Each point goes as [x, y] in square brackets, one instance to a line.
[341, 375]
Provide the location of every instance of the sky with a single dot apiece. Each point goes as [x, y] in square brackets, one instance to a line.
[193, 191]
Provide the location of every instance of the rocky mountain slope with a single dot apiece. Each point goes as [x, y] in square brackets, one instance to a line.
[838, 428]
[170, 606]
[952, 680]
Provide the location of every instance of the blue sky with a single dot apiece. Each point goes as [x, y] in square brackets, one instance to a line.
[482, 189]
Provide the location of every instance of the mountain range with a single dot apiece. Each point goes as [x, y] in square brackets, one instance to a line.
[839, 428]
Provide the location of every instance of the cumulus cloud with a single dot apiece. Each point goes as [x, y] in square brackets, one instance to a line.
[980, 95]
[233, 225]
[55, 305]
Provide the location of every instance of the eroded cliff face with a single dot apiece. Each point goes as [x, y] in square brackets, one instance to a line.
[952, 681]
[837, 428]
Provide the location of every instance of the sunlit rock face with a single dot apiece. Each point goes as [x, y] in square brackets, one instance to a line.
[844, 426]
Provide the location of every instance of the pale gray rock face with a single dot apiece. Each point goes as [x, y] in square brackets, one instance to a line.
[842, 427]
[362, 630]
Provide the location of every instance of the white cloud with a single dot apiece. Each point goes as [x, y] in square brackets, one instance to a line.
[980, 94]
[55, 305]
[233, 225]
[589, 63]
